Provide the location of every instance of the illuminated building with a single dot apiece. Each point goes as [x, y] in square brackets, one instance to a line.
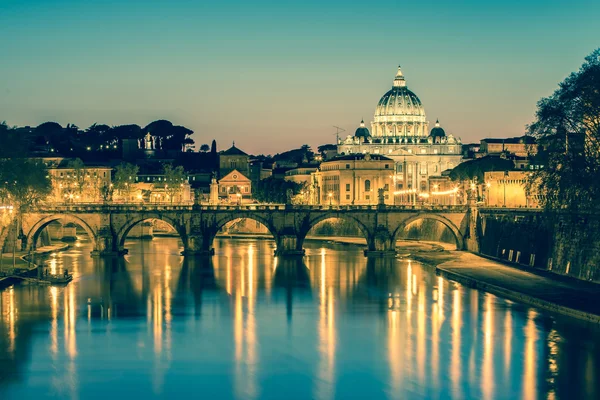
[400, 131]
[354, 179]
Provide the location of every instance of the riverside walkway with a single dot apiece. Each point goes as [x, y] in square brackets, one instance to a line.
[554, 293]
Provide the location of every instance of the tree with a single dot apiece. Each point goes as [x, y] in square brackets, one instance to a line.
[470, 170]
[272, 190]
[14, 142]
[23, 182]
[213, 147]
[204, 148]
[174, 179]
[299, 156]
[125, 178]
[78, 175]
[567, 126]
[172, 137]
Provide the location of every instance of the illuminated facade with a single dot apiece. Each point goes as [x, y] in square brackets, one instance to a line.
[80, 185]
[235, 187]
[400, 132]
[509, 189]
[354, 179]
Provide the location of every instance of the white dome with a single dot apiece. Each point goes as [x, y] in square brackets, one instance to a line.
[399, 112]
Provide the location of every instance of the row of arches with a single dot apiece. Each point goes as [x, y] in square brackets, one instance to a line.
[376, 239]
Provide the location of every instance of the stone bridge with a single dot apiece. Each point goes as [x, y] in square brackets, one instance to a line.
[108, 225]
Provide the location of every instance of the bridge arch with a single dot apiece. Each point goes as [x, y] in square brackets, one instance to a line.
[34, 232]
[458, 236]
[367, 234]
[122, 233]
[221, 221]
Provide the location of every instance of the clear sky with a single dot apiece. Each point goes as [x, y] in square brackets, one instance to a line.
[273, 75]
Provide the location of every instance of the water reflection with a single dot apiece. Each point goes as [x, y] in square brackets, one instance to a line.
[243, 324]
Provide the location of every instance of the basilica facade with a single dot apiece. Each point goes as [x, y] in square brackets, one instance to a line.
[400, 132]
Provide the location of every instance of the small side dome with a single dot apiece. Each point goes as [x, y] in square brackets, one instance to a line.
[362, 132]
[437, 133]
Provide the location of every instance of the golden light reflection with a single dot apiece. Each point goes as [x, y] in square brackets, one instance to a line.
[244, 328]
[508, 333]
[553, 338]
[10, 317]
[487, 379]
[421, 336]
[327, 342]
[70, 321]
[455, 369]
[54, 323]
[530, 356]
[168, 309]
[394, 346]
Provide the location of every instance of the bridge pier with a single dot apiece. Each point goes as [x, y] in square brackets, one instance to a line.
[289, 245]
[106, 244]
[197, 245]
[381, 243]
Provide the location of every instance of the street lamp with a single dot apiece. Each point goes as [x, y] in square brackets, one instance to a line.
[330, 195]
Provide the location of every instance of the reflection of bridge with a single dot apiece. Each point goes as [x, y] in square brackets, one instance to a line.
[108, 225]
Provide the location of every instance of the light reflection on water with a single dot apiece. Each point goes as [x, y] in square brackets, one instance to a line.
[245, 325]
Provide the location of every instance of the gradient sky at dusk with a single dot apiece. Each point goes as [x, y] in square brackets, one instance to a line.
[273, 75]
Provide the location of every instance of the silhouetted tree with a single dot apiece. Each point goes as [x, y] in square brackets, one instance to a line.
[213, 147]
[174, 179]
[272, 190]
[568, 128]
[124, 179]
[23, 182]
[476, 168]
[204, 148]
[13, 142]
[173, 137]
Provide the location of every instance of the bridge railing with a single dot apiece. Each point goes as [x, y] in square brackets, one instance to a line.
[162, 207]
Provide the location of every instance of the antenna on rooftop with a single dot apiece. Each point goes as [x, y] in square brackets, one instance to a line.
[338, 130]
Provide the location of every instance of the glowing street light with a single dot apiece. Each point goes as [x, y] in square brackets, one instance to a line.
[330, 195]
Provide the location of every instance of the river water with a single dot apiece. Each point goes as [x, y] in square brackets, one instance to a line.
[245, 325]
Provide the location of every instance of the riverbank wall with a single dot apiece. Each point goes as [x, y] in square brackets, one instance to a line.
[562, 244]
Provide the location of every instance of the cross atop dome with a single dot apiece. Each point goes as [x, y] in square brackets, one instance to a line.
[399, 80]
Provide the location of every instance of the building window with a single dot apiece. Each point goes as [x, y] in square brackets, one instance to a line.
[399, 168]
[386, 187]
[423, 151]
[347, 166]
[347, 197]
[435, 151]
[347, 187]
[387, 166]
[423, 186]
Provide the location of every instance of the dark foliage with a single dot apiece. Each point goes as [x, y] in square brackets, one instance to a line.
[272, 190]
[476, 168]
[567, 126]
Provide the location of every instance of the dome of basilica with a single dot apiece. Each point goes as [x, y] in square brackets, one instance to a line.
[399, 112]
[362, 132]
[437, 132]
